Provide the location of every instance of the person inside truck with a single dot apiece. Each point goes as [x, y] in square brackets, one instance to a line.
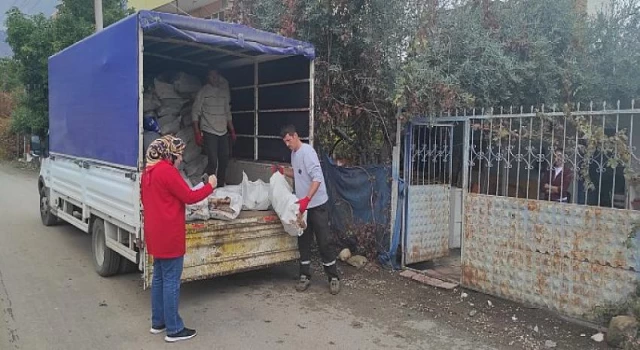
[164, 195]
[213, 125]
[311, 191]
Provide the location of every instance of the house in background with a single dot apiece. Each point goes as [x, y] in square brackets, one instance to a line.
[209, 9]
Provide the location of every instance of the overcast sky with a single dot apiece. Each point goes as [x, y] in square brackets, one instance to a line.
[27, 6]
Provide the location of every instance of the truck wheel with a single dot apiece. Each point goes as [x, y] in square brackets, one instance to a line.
[105, 260]
[126, 266]
[48, 219]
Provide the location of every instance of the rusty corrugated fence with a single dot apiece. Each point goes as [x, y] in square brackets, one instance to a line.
[567, 258]
[548, 199]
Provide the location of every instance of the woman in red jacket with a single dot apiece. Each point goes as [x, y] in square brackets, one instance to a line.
[164, 195]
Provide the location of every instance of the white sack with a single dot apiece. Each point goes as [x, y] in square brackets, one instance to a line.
[185, 83]
[171, 108]
[187, 136]
[185, 114]
[232, 188]
[150, 102]
[197, 211]
[196, 167]
[235, 207]
[284, 204]
[165, 90]
[169, 125]
[255, 194]
[192, 152]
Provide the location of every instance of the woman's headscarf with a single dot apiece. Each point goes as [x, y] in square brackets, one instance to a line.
[165, 148]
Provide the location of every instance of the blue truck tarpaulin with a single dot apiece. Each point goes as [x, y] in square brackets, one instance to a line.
[93, 96]
[359, 195]
[214, 32]
[96, 81]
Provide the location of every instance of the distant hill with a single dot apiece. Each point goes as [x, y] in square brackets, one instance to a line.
[5, 50]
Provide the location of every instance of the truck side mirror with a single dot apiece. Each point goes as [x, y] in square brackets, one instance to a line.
[34, 146]
[39, 146]
[45, 146]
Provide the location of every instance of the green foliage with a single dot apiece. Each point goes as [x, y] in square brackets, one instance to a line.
[357, 48]
[9, 79]
[521, 52]
[432, 56]
[34, 39]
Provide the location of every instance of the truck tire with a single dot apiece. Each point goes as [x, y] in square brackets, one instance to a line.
[48, 219]
[126, 266]
[105, 260]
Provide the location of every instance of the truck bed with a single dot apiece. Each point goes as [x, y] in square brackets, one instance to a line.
[256, 239]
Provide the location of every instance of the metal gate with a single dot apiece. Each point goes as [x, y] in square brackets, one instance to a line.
[428, 170]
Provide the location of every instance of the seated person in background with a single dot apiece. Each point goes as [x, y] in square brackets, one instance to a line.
[555, 182]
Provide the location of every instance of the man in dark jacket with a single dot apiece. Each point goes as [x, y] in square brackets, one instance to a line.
[556, 181]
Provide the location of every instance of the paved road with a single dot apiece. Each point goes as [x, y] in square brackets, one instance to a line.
[51, 298]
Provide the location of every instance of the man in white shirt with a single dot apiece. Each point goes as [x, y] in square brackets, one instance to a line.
[213, 125]
[311, 191]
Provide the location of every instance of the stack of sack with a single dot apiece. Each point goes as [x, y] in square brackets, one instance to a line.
[226, 203]
[223, 204]
[169, 99]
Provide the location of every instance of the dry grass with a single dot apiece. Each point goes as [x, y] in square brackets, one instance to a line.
[7, 138]
[6, 105]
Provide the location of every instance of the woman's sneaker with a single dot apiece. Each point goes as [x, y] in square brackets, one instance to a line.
[157, 330]
[184, 334]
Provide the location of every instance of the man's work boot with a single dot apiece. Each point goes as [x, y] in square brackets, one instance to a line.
[303, 283]
[334, 286]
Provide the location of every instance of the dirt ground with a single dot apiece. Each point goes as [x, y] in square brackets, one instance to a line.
[504, 324]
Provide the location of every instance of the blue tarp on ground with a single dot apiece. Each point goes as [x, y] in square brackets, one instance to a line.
[391, 257]
[359, 196]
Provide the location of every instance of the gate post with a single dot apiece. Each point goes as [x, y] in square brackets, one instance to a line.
[466, 150]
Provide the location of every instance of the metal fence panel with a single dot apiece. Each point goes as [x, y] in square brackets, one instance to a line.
[428, 223]
[585, 157]
[565, 257]
[428, 167]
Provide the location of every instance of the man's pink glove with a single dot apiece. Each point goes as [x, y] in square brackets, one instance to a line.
[199, 140]
[304, 202]
[234, 137]
[277, 168]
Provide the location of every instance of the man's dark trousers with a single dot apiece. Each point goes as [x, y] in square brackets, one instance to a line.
[217, 150]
